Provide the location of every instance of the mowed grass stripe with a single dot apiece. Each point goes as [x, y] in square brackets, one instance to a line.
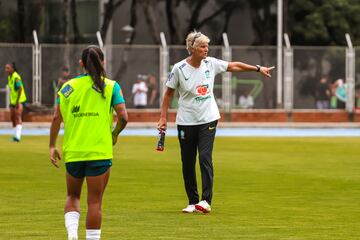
[265, 188]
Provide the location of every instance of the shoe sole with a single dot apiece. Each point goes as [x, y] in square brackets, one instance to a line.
[186, 212]
[195, 211]
[201, 209]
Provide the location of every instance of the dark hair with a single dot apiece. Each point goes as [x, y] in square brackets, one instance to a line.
[13, 65]
[65, 69]
[92, 58]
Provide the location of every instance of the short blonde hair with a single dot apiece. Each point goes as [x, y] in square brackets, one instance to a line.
[194, 39]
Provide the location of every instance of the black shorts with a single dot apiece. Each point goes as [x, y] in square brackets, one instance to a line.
[88, 168]
[13, 106]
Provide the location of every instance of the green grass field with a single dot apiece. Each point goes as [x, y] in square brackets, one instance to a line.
[265, 188]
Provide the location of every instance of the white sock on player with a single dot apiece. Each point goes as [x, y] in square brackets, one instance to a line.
[72, 224]
[93, 234]
[18, 131]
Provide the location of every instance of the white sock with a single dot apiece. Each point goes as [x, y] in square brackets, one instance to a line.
[18, 131]
[93, 234]
[72, 224]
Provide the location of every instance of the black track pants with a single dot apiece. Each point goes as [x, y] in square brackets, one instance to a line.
[192, 139]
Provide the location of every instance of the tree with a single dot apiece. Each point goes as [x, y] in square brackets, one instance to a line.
[109, 9]
[173, 20]
[323, 22]
[263, 21]
[21, 20]
[195, 7]
[73, 13]
[149, 7]
[66, 32]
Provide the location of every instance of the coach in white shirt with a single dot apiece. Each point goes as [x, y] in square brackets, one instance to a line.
[198, 114]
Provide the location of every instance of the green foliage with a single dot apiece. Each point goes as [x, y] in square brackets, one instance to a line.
[323, 22]
[5, 30]
[8, 27]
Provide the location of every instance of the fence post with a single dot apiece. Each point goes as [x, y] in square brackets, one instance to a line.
[102, 47]
[288, 76]
[7, 95]
[279, 64]
[36, 70]
[226, 79]
[350, 75]
[164, 64]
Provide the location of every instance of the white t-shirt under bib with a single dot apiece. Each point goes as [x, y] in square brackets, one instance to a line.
[197, 103]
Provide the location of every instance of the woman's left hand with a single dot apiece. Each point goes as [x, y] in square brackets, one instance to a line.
[54, 156]
[114, 138]
[266, 70]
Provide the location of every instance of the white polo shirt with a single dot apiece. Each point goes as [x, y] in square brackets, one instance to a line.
[197, 103]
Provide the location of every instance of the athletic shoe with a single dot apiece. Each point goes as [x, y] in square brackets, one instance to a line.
[189, 209]
[203, 206]
[15, 139]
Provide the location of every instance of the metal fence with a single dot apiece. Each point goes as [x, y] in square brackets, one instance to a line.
[251, 84]
[125, 63]
[311, 64]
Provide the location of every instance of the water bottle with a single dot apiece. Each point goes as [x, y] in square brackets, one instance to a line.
[161, 141]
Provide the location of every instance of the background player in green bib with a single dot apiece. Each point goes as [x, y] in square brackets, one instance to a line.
[86, 105]
[17, 98]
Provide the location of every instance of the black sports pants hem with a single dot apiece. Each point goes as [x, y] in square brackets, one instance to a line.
[193, 139]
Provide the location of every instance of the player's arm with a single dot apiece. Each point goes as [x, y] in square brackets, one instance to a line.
[118, 103]
[122, 116]
[168, 95]
[54, 131]
[19, 87]
[243, 67]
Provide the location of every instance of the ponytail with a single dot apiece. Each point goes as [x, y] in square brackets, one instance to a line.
[92, 58]
[14, 66]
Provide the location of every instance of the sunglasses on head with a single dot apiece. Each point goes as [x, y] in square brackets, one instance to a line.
[197, 35]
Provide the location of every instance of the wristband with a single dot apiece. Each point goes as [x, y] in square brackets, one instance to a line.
[258, 68]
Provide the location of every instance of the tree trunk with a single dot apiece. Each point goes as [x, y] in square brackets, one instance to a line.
[110, 7]
[228, 13]
[133, 21]
[150, 17]
[171, 16]
[263, 25]
[21, 20]
[66, 33]
[124, 58]
[74, 21]
[195, 13]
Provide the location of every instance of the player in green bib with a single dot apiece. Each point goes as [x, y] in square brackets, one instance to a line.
[85, 105]
[17, 99]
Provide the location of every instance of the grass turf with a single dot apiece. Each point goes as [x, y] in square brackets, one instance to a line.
[265, 188]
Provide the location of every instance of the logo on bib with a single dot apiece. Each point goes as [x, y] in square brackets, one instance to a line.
[67, 90]
[75, 109]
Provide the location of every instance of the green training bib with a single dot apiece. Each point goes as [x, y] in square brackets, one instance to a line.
[13, 92]
[87, 120]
